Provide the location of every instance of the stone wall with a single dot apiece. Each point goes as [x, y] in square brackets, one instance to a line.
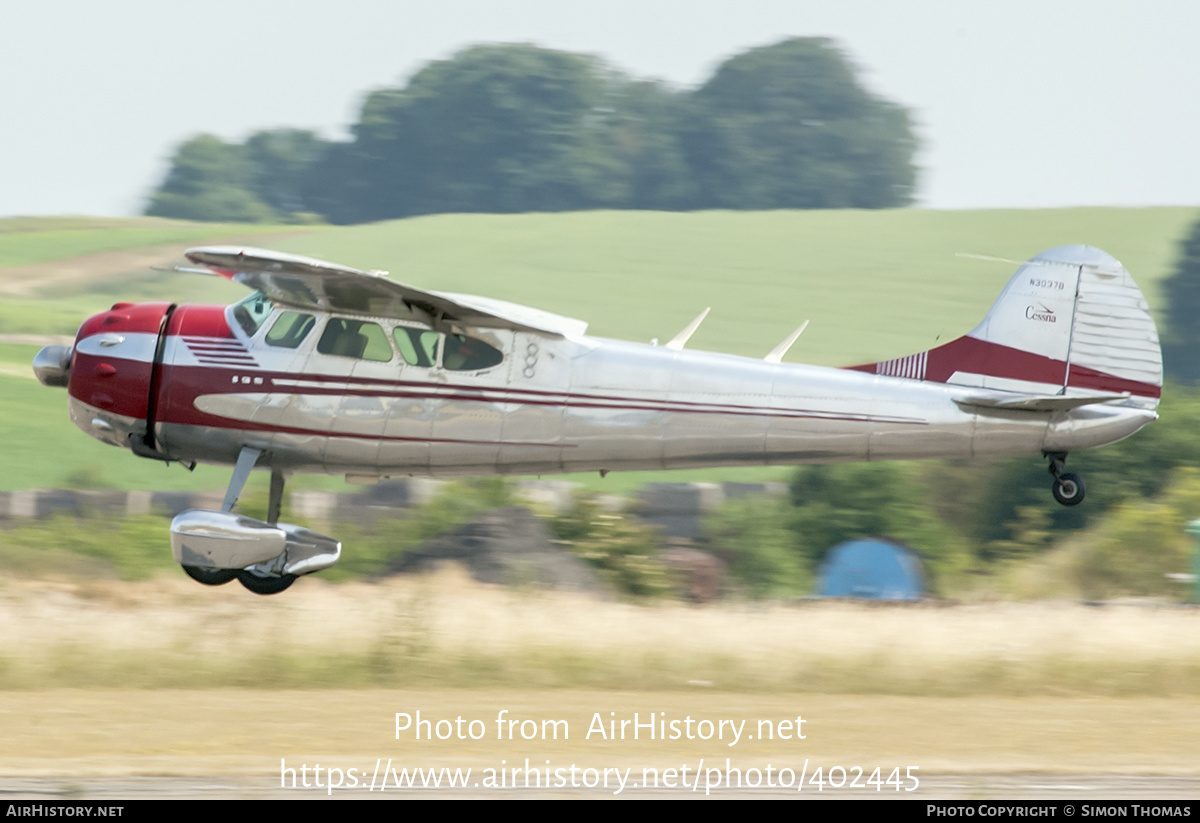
[676, 508]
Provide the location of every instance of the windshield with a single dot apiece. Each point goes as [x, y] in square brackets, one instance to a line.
[251, 312]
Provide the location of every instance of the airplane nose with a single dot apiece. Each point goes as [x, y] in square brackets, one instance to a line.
[52, 366]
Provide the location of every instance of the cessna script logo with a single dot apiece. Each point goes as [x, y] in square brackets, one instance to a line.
[1041, 313]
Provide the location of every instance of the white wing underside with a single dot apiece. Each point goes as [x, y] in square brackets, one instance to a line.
[316, 285]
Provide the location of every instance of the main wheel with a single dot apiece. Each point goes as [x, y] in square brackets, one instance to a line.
[1068, 489]
[265, 585]
[210, 577]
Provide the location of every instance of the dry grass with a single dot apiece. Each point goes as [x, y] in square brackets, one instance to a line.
[73, 733]
[446, 631]
[170, 678]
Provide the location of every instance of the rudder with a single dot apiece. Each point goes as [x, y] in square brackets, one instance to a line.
[1070, 321]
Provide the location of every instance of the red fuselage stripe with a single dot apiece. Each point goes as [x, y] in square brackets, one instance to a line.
[198, 381]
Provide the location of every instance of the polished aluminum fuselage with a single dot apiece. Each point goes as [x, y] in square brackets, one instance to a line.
[565, 404]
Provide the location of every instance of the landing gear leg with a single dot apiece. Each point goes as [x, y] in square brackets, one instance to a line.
[1068, 488]
[241, 473]
[276, 501]
[260, 578]
[251, 579]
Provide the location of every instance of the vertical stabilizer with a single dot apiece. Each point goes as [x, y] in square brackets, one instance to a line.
[1070, 321]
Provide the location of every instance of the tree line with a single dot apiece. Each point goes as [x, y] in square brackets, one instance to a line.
[518, 128]
[1181, 331]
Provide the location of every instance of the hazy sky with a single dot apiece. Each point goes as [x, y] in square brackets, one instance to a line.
[1020, 103]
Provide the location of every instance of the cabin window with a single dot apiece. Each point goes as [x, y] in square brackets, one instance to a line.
[290, 329]
[418, 347]
[462, 353]
[251, 312]
[360, 339]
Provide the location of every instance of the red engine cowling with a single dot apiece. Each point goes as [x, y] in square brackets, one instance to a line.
[113, 371]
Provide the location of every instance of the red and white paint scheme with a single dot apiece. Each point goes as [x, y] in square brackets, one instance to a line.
[325, 368]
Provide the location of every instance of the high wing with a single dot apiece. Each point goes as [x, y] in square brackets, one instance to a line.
[311, 284]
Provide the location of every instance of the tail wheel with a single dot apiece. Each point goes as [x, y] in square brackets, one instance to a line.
[265, 585]
[1068, 489]
[210, 577]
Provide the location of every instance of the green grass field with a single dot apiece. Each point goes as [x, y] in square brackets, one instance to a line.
[875, 285]
[28, 240]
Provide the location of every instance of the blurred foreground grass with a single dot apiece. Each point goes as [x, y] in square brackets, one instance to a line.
[445, 631]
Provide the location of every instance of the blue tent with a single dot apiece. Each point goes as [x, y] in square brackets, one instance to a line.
[872, 568]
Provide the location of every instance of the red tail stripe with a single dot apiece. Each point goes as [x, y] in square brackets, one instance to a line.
[968, 354]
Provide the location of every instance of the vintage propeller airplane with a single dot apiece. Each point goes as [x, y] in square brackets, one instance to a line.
[325, 368]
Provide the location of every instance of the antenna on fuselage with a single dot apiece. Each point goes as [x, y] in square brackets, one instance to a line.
[182, 269]
[987, 257]
[677, 342]
[779, 351]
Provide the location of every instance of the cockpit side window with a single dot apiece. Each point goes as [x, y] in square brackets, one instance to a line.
[360, 339]
[290, 329]
[418, 347]
[462, 353]
[251, 312]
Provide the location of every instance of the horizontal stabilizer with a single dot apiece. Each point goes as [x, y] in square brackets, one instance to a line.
[1038, 402]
